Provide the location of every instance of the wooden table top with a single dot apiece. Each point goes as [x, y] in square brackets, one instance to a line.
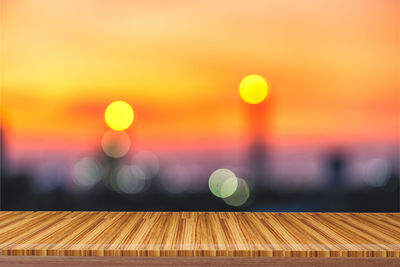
[200, 234]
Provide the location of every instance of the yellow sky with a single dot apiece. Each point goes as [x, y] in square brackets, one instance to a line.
[332, 67]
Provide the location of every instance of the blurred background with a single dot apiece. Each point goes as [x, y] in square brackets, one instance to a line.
[200, 105]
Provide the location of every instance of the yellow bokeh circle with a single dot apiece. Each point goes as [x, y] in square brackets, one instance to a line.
[253, 89]
[119, 115]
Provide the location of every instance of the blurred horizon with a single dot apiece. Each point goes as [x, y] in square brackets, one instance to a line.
[332, 69]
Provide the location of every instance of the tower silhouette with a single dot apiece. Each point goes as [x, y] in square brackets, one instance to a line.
[257, 117]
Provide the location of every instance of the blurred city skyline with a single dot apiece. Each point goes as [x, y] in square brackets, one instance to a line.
[332, 115]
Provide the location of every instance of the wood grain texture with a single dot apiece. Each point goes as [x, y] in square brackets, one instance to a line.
[200, 234]
[44, 261]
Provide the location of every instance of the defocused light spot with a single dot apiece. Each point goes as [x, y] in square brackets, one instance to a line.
[148, 161]
[87, 172]
[222, 183]
[115, 144]
[377, 172]
[253, 89]
[130, 179]
[119, 115]
[240, 196]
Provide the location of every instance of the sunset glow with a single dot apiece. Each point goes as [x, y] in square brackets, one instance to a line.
[179, 65]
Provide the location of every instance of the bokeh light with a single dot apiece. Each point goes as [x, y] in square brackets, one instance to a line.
[376, 172]
[119, 115]
[87, 172]
[240, 196]
[130, 179]
[115, 144]
[148, 161]
[306, 112]
[223, 183]
[253, 89]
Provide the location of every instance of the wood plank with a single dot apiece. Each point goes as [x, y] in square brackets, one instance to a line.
[43, 261]
[225, 234]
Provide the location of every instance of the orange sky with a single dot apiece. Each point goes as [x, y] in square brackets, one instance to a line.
[332, 68]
